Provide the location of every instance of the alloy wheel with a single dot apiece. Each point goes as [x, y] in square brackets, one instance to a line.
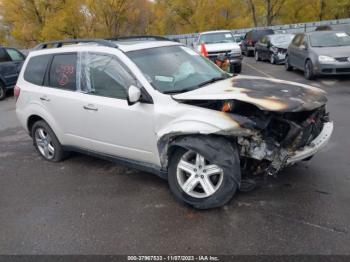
[44, 143]
[197, 177]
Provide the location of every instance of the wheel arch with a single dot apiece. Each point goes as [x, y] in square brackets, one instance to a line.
[32, 120]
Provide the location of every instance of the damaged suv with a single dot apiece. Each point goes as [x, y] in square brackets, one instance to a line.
[160, 107]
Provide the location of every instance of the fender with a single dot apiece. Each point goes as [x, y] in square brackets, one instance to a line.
[215, 123]
[36, 108]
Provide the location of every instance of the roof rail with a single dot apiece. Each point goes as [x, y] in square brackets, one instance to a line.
[60, 43]
[139, 38]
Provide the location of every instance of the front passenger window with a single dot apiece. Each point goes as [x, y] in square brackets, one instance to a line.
[103, 75]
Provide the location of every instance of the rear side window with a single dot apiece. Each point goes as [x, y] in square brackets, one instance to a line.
[36, 68]
[62, 73]
[14, 54]
[4, 57]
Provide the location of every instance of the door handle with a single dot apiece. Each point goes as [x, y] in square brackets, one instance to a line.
[44, 98]
[90, 107]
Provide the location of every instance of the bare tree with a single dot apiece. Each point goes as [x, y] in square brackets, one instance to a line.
[252, 8]
[273, 9]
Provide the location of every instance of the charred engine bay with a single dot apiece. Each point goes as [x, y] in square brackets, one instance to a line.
[280, 134]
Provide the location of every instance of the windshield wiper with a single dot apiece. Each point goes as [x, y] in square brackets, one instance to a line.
[177, 91]
[212, 80]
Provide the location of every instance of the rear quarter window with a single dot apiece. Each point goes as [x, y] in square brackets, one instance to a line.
[36, 68]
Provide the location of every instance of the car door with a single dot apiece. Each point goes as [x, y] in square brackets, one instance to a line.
[17, 58]
[63, 103]
[300, 52]
[116, 128]
[263, 43]
[293, 48]
[8, 70]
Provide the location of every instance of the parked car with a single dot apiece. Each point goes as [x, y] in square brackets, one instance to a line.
[161, 107]
[11, 61]
[250, 39]
[320, 53]
[273, 48]
[337, 27]
[239, 38]
[221, 42]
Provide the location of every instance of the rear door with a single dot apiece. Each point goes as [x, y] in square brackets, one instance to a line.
[8, 70]
[63, 103]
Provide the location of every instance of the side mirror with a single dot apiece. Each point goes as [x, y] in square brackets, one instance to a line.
[302, 47]
[134, 95]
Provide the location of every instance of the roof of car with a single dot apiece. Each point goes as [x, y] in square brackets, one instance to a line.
[125, 46]
[218, 31]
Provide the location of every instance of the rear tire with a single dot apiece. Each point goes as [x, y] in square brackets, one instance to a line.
[204, 183]
[46, 142]
[2, 91]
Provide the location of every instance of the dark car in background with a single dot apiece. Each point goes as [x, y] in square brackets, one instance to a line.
[250, 39]
[320, 53]
[273, 48]
[11, 61]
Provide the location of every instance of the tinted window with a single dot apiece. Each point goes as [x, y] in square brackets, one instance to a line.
[258, 34]
[36, 68]
[4, 57]
[63, 71]
[103, 75]
[14, 54]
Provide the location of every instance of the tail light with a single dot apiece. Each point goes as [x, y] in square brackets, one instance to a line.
[16, 91]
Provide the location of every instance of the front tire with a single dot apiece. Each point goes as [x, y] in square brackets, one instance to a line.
[198, 181]
[46, 142]
[309, 70]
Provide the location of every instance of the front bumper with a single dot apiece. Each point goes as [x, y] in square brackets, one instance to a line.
[316, 145]
[336, 68]
[279, 57]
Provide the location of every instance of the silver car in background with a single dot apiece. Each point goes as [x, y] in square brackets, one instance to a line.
[320, 53]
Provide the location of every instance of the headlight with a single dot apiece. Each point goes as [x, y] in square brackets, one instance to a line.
[274, 49]
[326, 59]
[235, 53]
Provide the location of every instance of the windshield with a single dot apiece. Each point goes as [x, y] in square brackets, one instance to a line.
[214, 38]
[281, 40]
[329, 39]
[176, 69]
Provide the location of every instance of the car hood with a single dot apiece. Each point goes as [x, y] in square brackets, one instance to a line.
[266, 93]
[221, 47]
[334, 51]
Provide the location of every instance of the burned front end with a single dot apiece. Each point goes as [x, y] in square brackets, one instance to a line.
[277, 139]
[280, 122]
[284, 138]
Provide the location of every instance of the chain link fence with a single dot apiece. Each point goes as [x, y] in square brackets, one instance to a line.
[188, 39]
